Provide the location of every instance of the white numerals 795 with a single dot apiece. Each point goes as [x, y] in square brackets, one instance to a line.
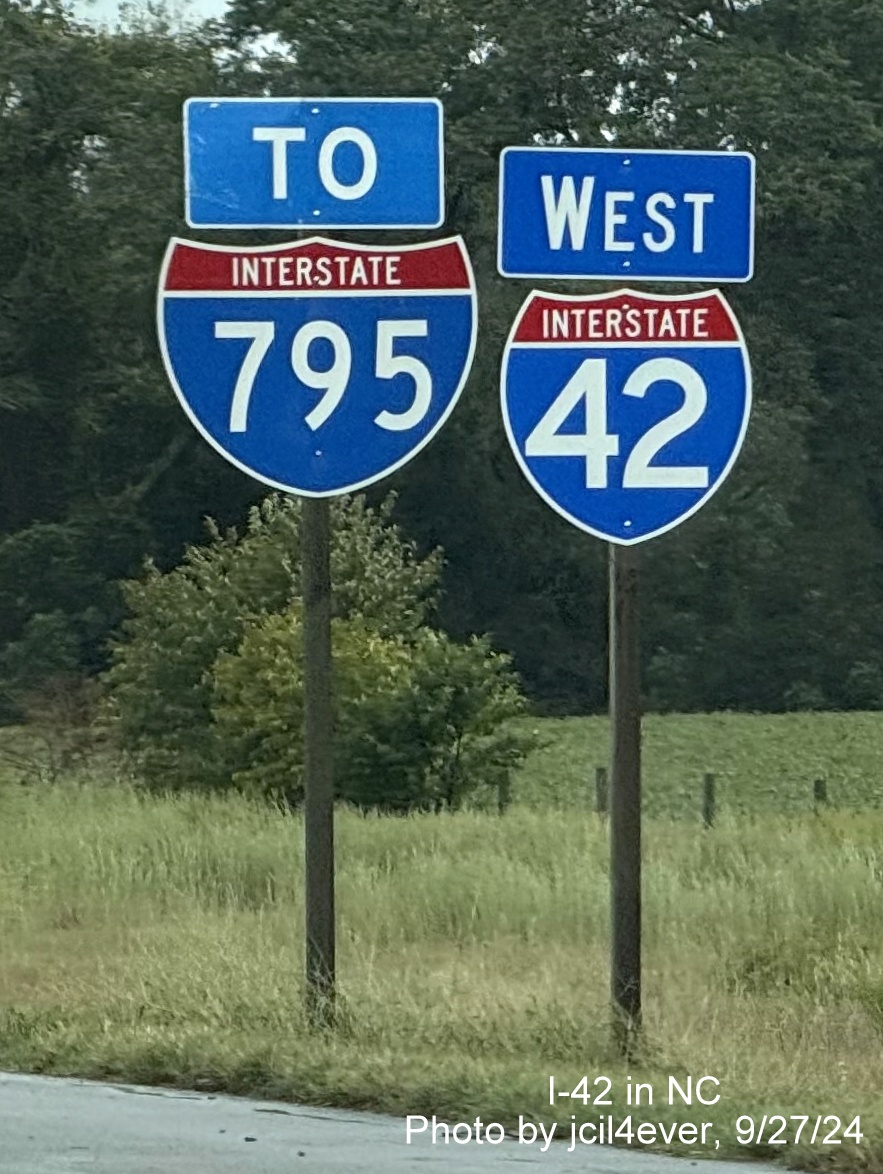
[596, 445]
[334, 379]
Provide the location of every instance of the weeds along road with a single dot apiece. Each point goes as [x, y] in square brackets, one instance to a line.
[54, 1126]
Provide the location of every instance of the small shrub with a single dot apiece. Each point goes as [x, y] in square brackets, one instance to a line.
[259, 696]
[206, 688]
[420, 723]
[159, 689]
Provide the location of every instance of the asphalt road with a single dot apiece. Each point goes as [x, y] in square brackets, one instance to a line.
[52, 1126]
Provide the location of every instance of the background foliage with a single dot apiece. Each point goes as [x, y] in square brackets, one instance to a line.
[768, 599]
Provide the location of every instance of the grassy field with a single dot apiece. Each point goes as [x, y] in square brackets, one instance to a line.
[762, 763]
[160, 940]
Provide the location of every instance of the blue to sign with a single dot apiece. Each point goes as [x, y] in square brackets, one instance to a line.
[313, 163]
[626, 411]
[317, 367]
[603, 213]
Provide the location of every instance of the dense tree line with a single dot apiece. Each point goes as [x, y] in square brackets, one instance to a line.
[769, 598]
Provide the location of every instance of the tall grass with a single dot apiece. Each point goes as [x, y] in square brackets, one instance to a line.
[161, 939]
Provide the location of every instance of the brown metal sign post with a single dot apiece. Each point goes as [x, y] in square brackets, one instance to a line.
[625, 796]
[318, 762]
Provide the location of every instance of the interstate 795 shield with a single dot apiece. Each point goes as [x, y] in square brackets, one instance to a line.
[317, 367]
[626, 410]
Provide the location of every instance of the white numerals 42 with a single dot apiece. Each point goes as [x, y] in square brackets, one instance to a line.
[597, 445]
[334, 380]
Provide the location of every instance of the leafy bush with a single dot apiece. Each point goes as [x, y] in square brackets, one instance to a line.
[419, 722]
[206, 688]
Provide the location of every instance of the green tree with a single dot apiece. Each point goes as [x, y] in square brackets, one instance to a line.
[420, 722]
[785, 601]
[97, 465]
[772, 590]
[769, 594]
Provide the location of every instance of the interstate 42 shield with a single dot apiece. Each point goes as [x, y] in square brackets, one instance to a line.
[626, 410]
[317, 367]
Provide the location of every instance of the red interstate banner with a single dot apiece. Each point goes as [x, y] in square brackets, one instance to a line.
[316, 265]
[626, 317]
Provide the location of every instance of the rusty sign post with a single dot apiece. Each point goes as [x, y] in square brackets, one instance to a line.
[625, 796]
[318, 762]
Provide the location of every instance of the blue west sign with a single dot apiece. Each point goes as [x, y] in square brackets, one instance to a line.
[317, 367]
[641, 215]
[626, 410]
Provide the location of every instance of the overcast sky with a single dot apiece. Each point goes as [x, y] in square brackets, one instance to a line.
[104, 10]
